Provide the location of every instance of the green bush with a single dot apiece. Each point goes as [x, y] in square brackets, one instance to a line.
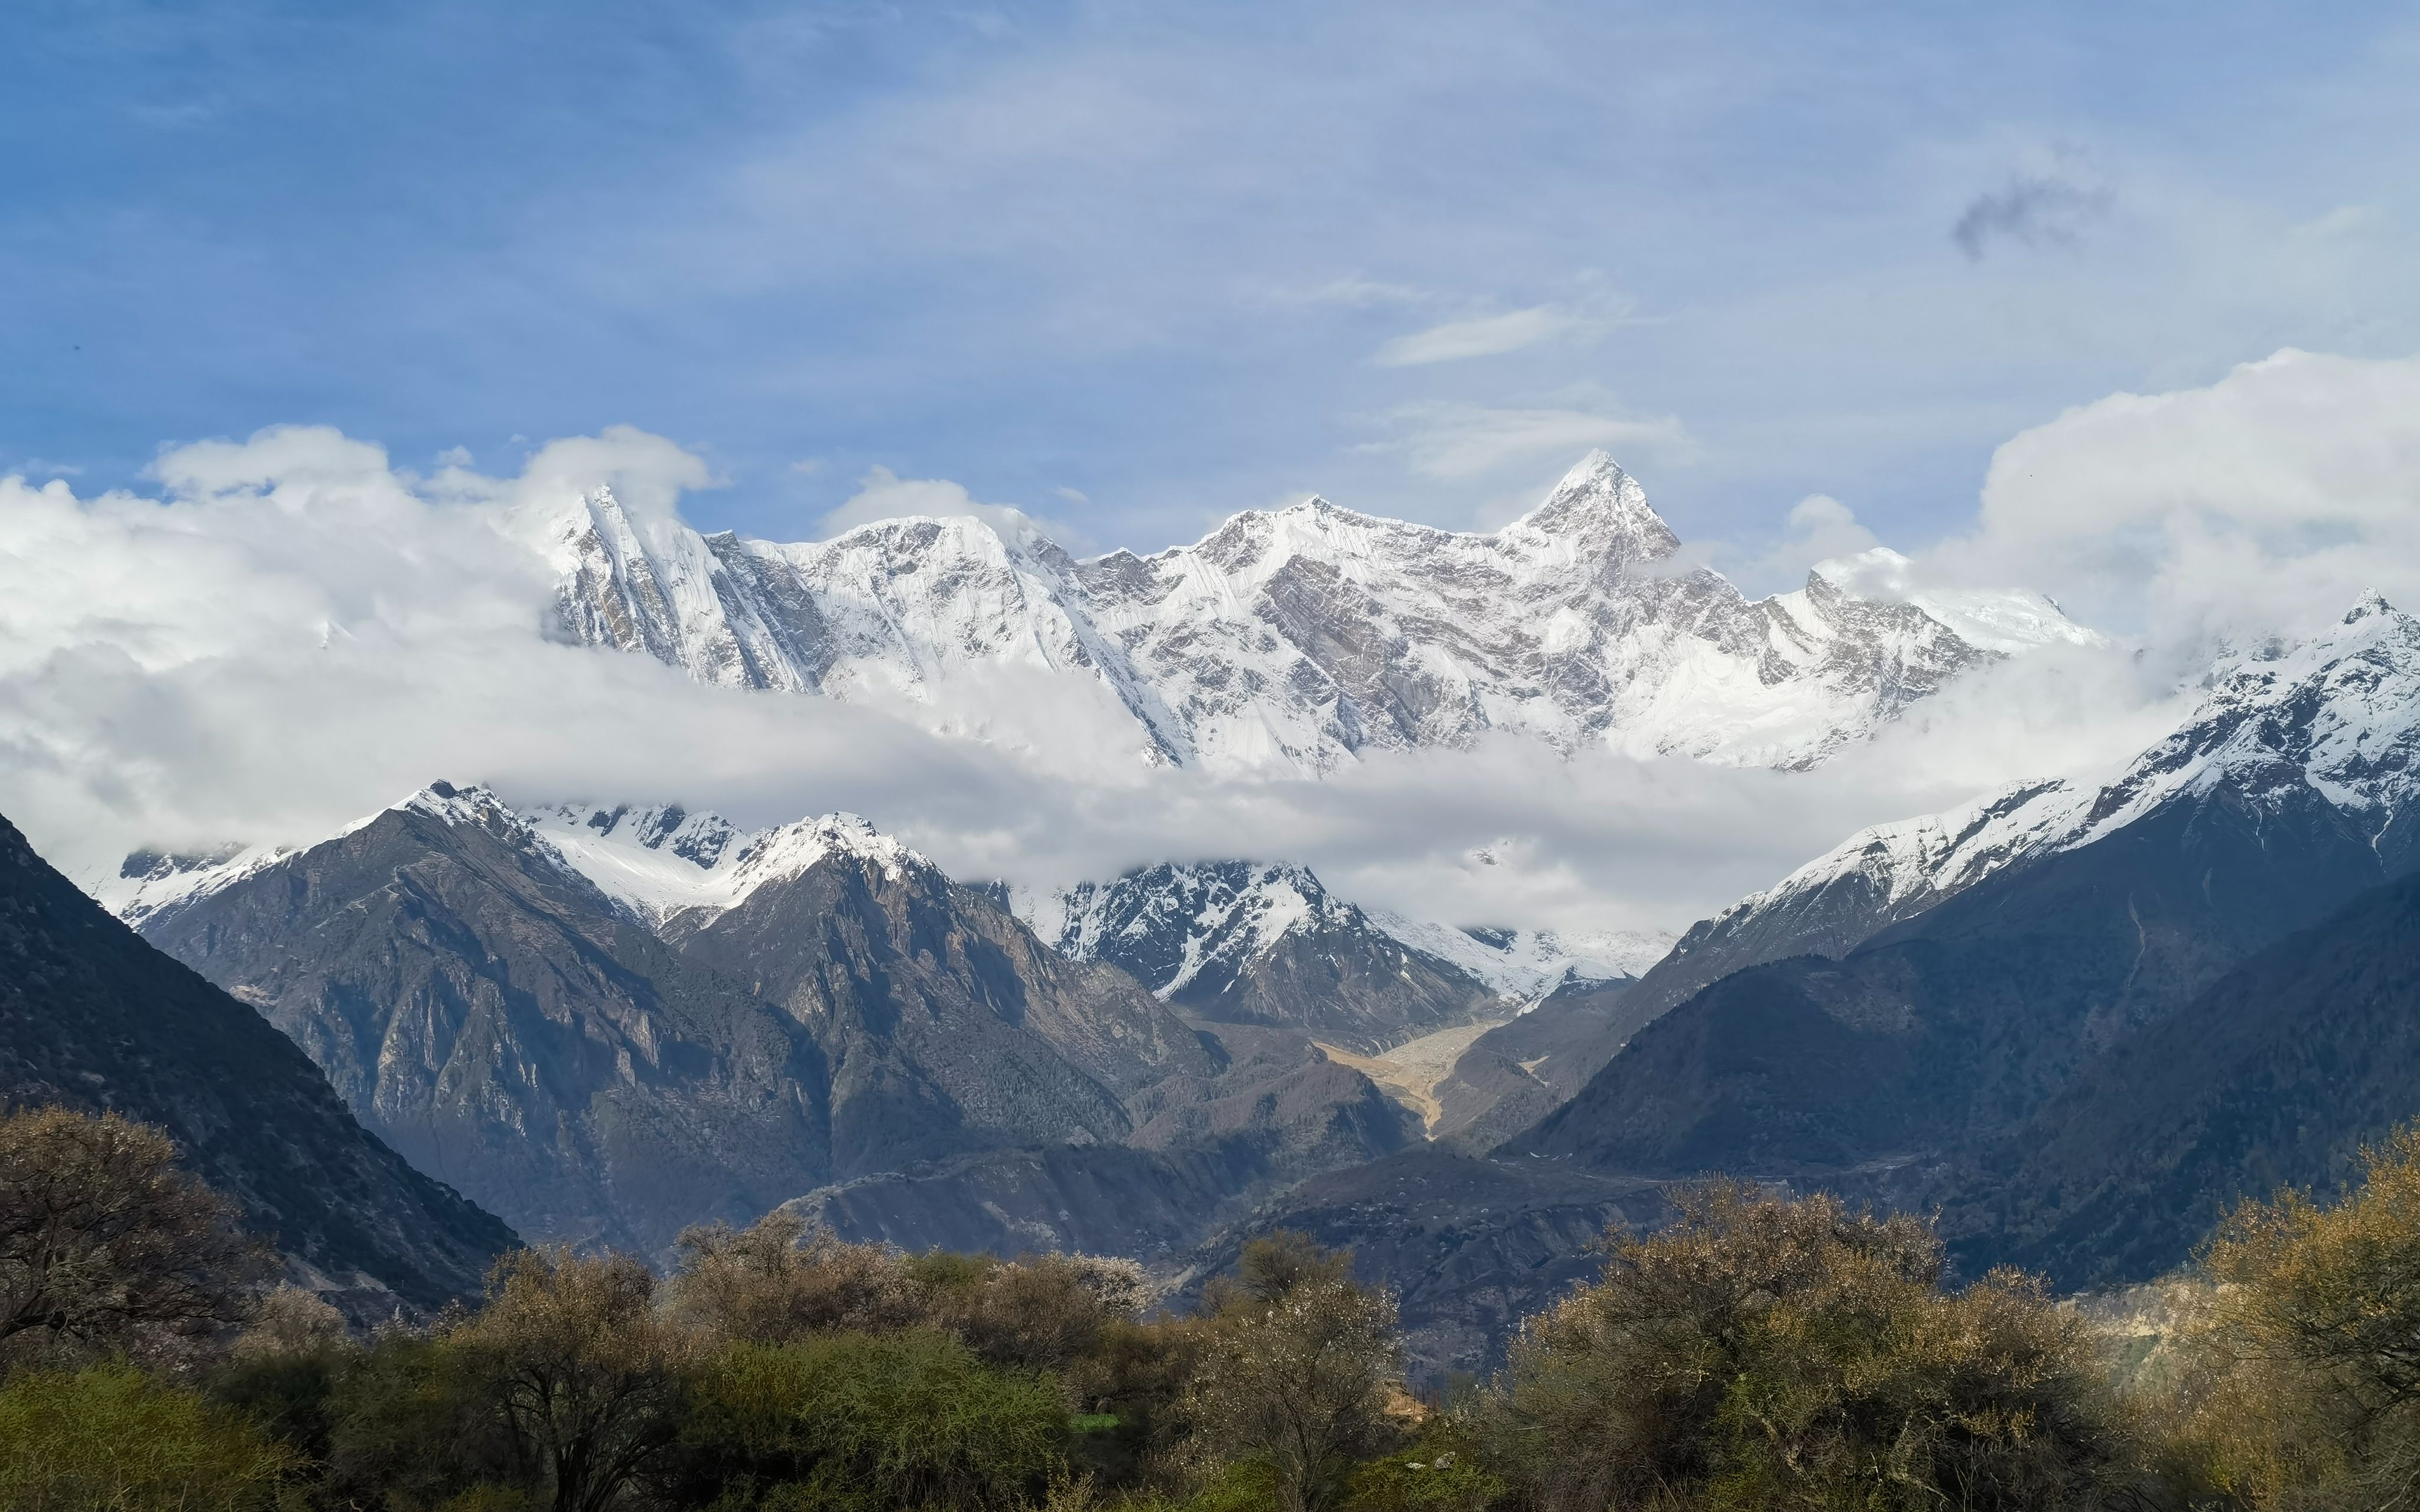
[1250, 1484]
[409, 1428]
[853, 1421]
[111, 1437]
[1434, 1476]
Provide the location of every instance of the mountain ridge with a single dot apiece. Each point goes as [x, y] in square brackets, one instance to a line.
[1295, 640]
[2333, 711]
[612, 1021]
[2293, 786]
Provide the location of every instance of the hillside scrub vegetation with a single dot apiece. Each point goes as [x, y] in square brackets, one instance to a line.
[1756, 1351]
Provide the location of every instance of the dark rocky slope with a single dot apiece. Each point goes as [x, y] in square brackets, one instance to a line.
[1951, 1030]
[603, 1075]
[1471, 1246]
[1275, 1111]
[497, 1020]
[2272, 1076]
[93, 1017]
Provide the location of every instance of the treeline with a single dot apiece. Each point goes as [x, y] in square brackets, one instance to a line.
[1756, 1353]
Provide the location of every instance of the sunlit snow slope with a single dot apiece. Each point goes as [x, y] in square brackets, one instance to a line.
[1293, 640]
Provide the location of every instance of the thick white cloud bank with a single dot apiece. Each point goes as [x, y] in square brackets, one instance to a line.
[296, 632]
[2261, 503]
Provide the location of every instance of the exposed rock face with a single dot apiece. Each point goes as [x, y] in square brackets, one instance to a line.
[503, 1023]
[1295, 640]
[938, 1012]
[92, 1017]
[614, 1022]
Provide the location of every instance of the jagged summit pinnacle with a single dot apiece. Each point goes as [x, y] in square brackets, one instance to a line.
[2370, 603]
[1598, 507]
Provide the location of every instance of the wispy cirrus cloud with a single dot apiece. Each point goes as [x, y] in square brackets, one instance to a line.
[1453, 441]
[1487, 336]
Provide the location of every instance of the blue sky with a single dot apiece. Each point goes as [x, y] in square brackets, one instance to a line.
[1133, 267]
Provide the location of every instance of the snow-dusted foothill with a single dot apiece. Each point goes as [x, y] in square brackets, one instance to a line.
[1269, 942]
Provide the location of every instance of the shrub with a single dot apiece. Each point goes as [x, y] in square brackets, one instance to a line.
[1298, 1366]
[409, 1426]
[282, 1370]
[573, 1353]
[777, 1281]
[110, 1437]
[105, 1244]
[2309, 1391]
[849, 1421]
[1762, 1353]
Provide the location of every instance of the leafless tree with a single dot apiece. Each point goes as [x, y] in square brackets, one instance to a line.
[106, 1244]
[583, 1366]
[1301, 1366]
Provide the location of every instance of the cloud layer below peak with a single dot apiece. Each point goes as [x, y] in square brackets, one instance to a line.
[297, 631]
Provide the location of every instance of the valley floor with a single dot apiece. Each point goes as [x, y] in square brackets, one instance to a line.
[1410, 1073]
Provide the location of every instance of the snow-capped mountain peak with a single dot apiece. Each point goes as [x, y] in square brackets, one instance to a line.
[1524, 966]
[665, 861]
[1170, 923]
[1599, 511]
[1177, 925]
[473, 804]
[150, 882]
[2339, 710]
[1297, 640]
